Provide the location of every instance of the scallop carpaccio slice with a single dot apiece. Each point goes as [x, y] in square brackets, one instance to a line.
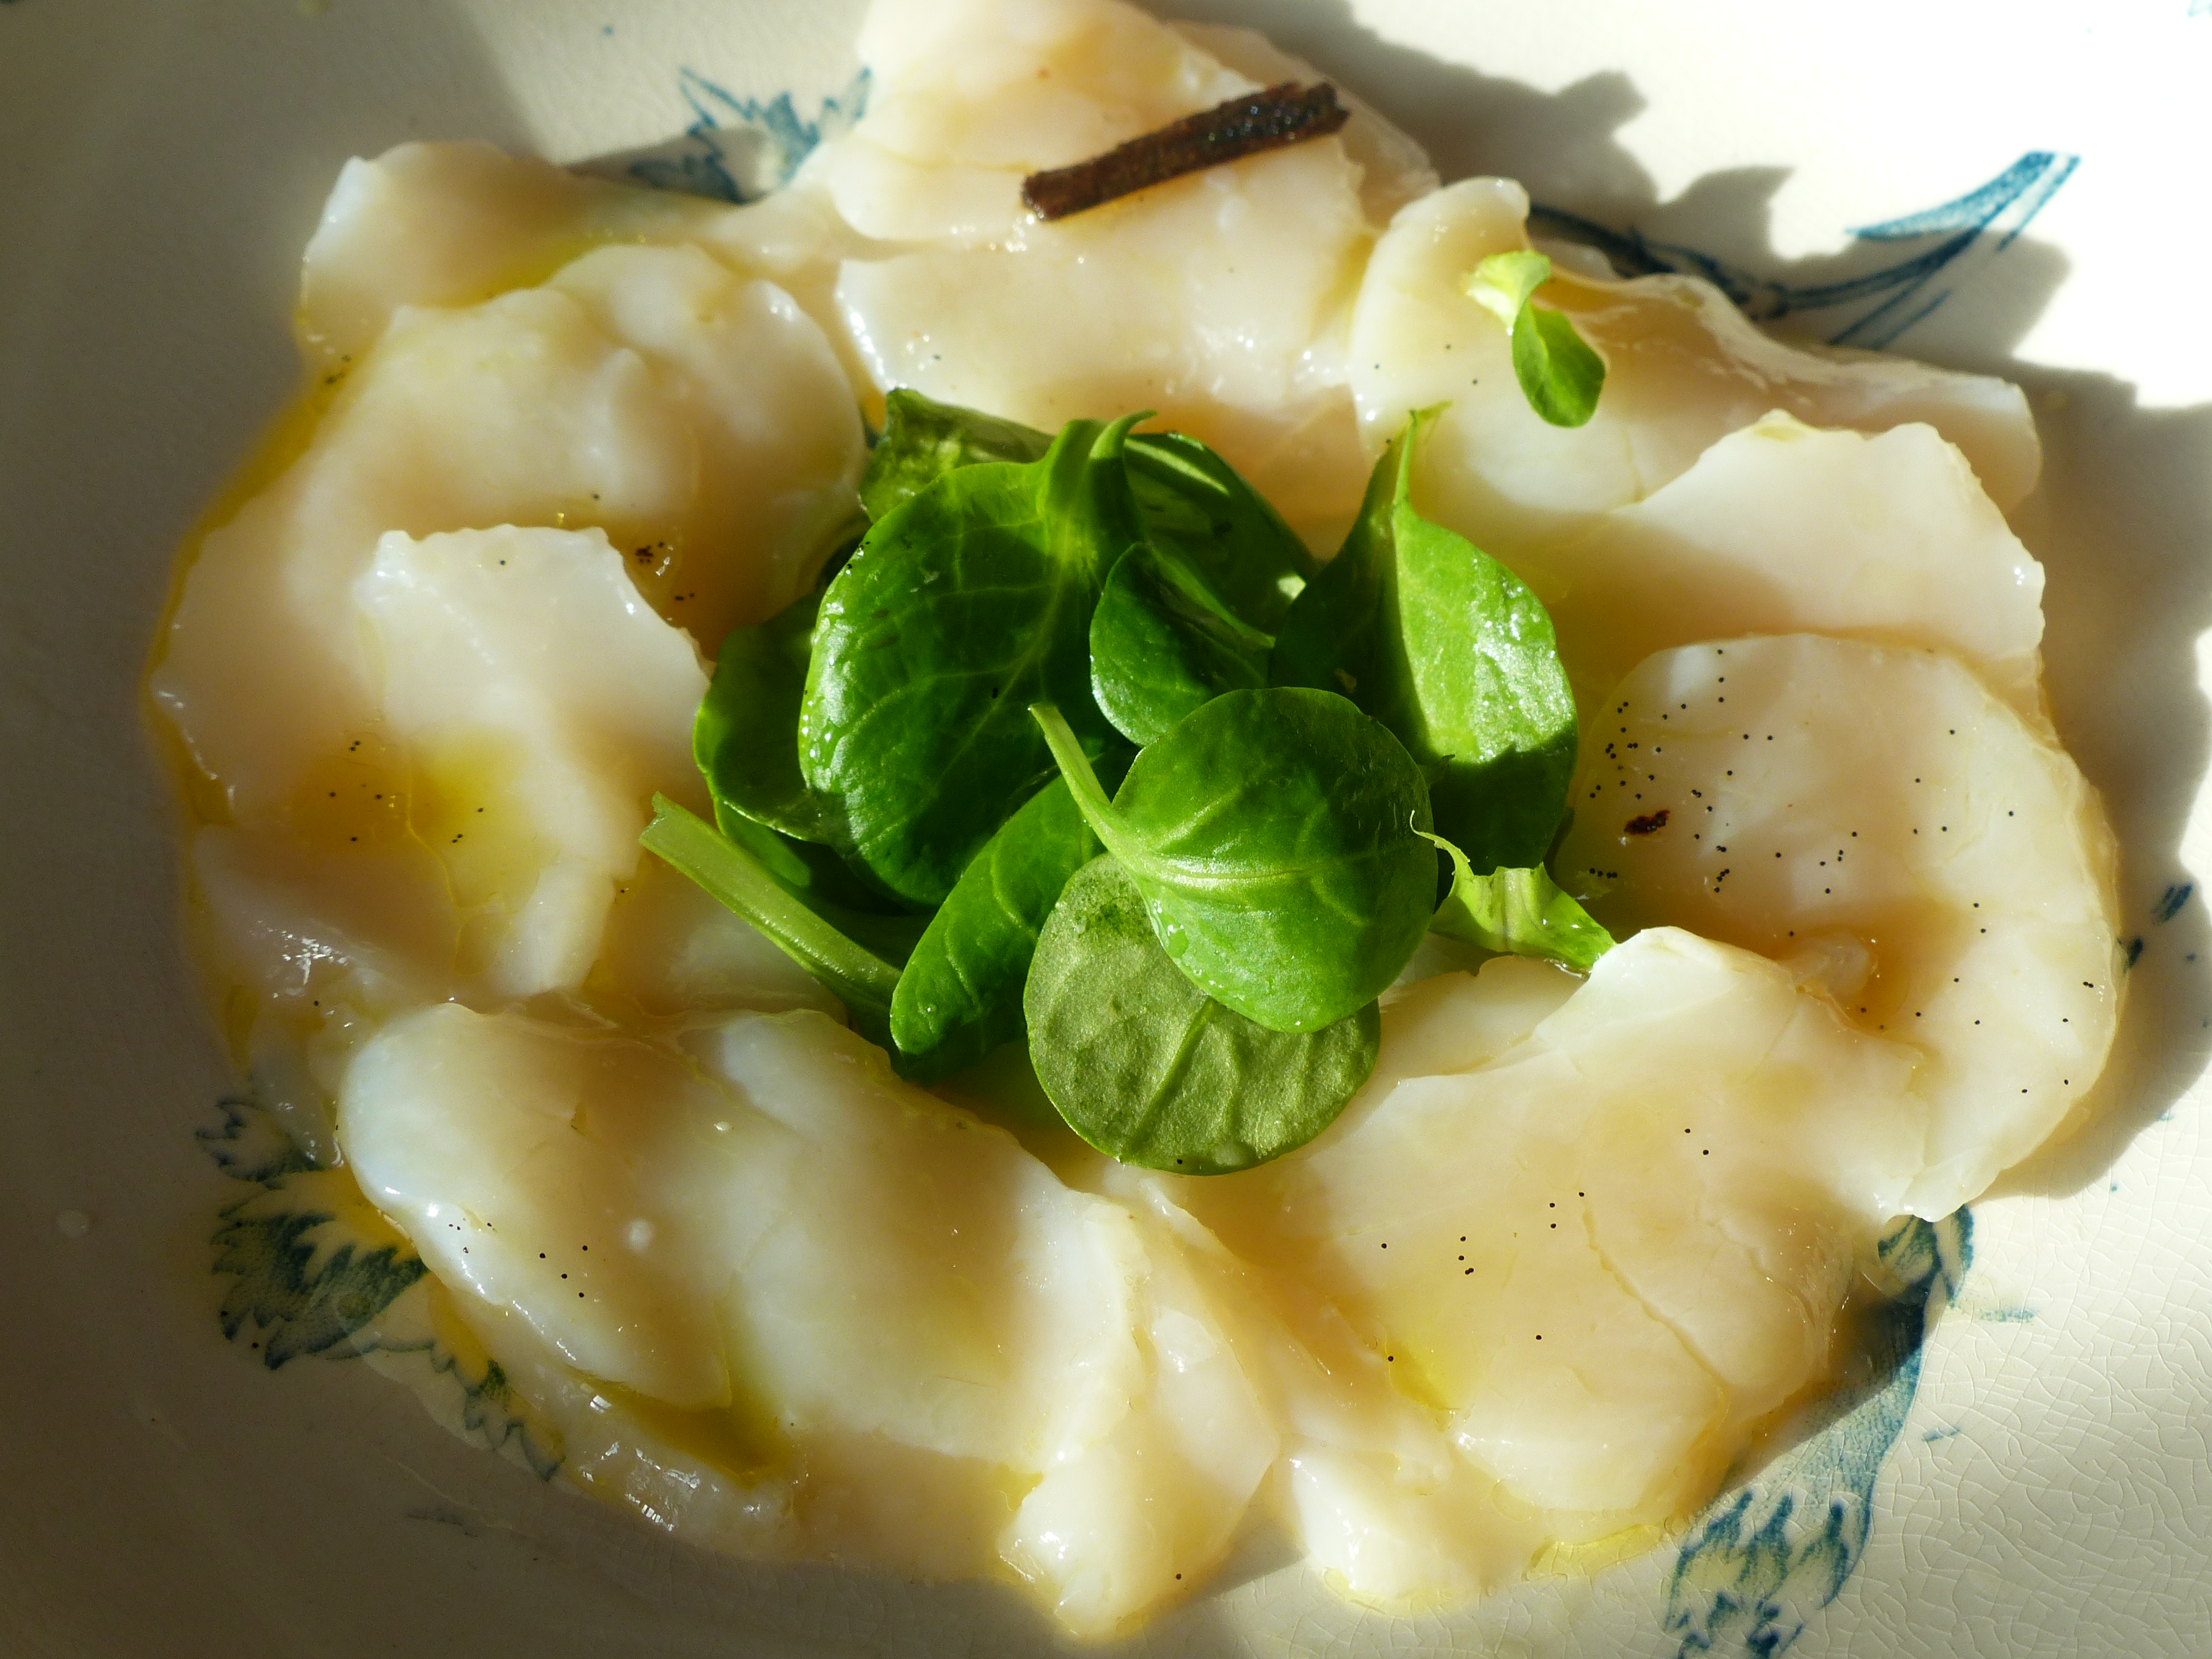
[1876, 817]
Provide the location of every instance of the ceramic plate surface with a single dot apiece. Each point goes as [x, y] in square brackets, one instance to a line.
[2004, 188]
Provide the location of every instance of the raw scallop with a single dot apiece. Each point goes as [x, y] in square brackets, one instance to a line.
[1576, 1242]
[699, 418]
[1217, 300]
[1599, 1243]
[1683, 369]
[1779, 528]
[540, 703]
[1878, 818]
[888, 1299]
[454, 224]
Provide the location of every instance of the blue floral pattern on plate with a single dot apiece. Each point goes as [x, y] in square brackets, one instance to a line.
[1763, 1559]
[1880, 305]
[737, 150]
[310, 1275]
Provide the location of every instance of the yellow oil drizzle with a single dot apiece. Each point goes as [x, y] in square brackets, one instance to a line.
[743, 1440]
[464, 803]
[203, 796]
[1561, 1559]
[356, 797]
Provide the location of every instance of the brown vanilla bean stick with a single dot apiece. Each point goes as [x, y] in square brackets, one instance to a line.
[1287, 114]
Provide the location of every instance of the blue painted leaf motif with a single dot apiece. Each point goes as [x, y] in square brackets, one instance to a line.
[249, 1144]
[1761, 1560]
[315, 1272]
[300, 1283]
[2170, 901]
[493, 1414]
[292, 1287]
[737, 150]
[1988, 218]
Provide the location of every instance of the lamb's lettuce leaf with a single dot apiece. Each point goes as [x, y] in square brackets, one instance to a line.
[1163, 641]
[1276, 836]
[859, 977]
[923, 440]
[960, 996]
[1519, 913]
[1560, 374]
[1148, 1068]
[1451, 651]
[961, 608]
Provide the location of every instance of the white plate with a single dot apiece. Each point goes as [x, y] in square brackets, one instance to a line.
[2035, 1479]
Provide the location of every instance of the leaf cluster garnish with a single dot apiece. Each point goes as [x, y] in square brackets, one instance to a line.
[1277, 838]
[1081, 746]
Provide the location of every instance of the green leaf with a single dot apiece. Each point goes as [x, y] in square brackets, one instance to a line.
[859, 978]
[1194, 504]
[1504, 284]
[923, 440]
[961, 608]
[1341, 634]
[1276, 837]
[1196, 507]
[747, 744]
[1163, 641]
[1560, 376]
[1451, 651]
[960, 996]
[1148, 1068]
[818, 879]
[1518, 912]
[745, 739]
